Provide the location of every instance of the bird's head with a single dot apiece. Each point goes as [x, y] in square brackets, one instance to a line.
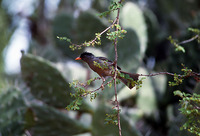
[85, 56]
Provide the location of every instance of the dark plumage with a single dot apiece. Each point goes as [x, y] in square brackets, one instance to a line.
[105, 67]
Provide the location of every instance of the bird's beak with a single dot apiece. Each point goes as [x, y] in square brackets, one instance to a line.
[78, 58]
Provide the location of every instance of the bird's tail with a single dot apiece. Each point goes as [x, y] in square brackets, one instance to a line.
[128, 78]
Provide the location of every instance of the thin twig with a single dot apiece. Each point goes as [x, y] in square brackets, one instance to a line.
[85, 85]
[89, 92]
[168, 73]
[189, 40]
[147, 75]
[27, 133]
[160, 73]
[196, 107]
[115, 76]
[101, 86]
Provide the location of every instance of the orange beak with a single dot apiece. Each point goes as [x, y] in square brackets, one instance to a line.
[78, 58]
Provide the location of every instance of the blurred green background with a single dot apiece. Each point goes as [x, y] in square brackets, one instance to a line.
[34, 85]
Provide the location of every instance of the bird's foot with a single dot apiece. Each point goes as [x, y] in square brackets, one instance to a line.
[102, 86]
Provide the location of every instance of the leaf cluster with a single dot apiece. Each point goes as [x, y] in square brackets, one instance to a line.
[72, 46]
[197, 32]
[113, 7]
[80, 91]
[190, 108]
[119, 33]
[175, 43]
[178, 79]
[112, 118]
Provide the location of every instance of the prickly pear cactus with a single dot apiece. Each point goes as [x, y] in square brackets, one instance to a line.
[45, 81]
[53, 122]
[129, 55]
[64, 25]
[87, 24]
[12, 110]
[132, 18]
[111, 130]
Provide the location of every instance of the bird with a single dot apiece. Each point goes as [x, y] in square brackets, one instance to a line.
[106, 68]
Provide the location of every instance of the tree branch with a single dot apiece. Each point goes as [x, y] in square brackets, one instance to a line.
[97, 88]
[189, 40]
[171, 74]
[115, 76]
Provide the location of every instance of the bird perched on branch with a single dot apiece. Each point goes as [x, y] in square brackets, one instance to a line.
[105, 68]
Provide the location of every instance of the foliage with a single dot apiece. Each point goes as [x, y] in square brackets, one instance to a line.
[190, 106]
[113, 7]
[116, 34]
[79, 91]
[189, 102]
[178, 79]
[112, 118]
[177, 46]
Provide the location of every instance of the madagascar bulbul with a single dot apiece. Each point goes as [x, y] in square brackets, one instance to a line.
[105, 68]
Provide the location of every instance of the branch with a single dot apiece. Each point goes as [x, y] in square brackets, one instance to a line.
[189, 40]
[171, 74]
[115, 76]
[160, 73]
[101, 87]
[195, 106]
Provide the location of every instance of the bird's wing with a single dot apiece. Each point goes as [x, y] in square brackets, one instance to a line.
[104, 59]
[109, 61]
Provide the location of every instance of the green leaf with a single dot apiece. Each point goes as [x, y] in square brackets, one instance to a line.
[103, 14]
[180, 48]
[115, 5]
[112, 118]
[64, 38]
[177, 46]
[195, 30]
[178, 93]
